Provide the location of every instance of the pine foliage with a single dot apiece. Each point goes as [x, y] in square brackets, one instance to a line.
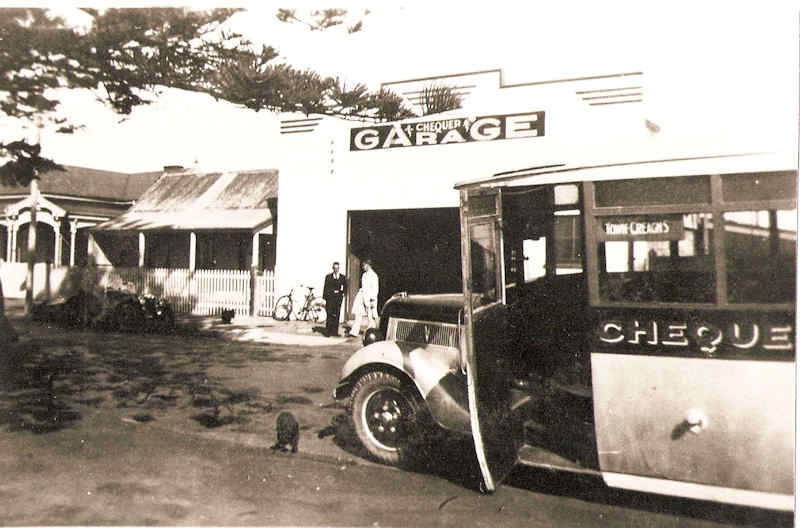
[126, 54]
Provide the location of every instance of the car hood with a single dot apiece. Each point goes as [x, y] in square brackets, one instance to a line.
[442, 307]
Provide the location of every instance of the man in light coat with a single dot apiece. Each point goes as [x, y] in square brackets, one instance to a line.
[366, 301]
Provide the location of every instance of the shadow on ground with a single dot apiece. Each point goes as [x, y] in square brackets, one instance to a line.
[45, 381]
[433, 451]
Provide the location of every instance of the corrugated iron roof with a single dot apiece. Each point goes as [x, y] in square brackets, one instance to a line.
[197, 201]
[174, 192]
[90, 183]
[184, 191]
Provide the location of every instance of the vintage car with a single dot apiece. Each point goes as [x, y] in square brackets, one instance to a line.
[408, 375]
[113, 309]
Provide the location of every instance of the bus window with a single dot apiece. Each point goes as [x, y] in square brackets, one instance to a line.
[568, 238]
[761, 255]
[542, 235]
[653, 191]
[483, 258]
[657, 258]
[565, 242]
[535, 255]
[748, 187]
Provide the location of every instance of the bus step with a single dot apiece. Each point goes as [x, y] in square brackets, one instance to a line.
[534, 456]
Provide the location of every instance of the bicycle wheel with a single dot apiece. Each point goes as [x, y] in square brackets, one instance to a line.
[283, 308]
[317, 311]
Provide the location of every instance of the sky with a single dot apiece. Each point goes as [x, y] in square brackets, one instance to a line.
[729, 50]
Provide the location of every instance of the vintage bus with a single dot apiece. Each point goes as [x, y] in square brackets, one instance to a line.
[634, 321]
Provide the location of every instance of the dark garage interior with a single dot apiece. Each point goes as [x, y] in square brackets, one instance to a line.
[412, 250]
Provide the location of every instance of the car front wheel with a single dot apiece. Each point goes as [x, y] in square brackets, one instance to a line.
[384, 412]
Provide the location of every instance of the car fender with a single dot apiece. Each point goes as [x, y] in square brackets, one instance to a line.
[434, 370]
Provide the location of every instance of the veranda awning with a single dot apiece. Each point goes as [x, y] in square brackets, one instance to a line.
[233, 219]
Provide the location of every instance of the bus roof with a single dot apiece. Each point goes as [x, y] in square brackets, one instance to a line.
[712, 164]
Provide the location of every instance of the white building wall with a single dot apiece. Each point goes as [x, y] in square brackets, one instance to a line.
[321, 179]
[312, 223]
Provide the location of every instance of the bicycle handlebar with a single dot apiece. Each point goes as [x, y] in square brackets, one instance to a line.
[310, 290]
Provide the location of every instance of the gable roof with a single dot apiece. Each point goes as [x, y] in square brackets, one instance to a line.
[90, 183]
[201, 201]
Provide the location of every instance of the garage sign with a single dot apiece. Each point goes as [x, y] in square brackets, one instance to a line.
[448, 131]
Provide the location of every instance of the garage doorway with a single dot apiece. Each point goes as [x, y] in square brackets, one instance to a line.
[412, 250]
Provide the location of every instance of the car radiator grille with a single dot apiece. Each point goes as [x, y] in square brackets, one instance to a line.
[424, 333]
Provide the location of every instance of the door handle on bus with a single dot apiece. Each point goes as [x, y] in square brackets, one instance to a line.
[696, 420]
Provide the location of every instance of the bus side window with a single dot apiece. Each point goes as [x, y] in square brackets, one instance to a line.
[649, 259]
[761, 255]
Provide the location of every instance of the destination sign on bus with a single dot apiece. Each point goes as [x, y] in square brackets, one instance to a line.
[448, 131]
[705, 336]
[665, 227]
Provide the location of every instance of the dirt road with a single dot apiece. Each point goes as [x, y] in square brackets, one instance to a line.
[123, 429]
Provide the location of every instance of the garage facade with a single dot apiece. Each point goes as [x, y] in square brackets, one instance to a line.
[354, 190]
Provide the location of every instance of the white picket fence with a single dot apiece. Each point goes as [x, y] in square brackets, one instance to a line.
[201, 292]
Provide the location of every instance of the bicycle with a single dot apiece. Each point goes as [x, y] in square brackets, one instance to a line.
[313, 308]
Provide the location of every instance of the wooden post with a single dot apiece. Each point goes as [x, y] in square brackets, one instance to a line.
[58, 243]
[73, 233]
[253, 282]
[10, 240]
[192, 250]
[14, 233]
[254, 252]
[142, 244]
[34, 193]
[253, 273]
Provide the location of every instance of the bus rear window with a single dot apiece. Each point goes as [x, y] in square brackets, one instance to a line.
[657, 258]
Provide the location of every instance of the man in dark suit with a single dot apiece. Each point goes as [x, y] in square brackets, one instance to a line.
[333, 292]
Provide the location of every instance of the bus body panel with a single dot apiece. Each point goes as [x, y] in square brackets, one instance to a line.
[727, 423]
[690, 490]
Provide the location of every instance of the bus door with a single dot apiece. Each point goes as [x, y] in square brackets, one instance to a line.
[495, 434]
[692, 282]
